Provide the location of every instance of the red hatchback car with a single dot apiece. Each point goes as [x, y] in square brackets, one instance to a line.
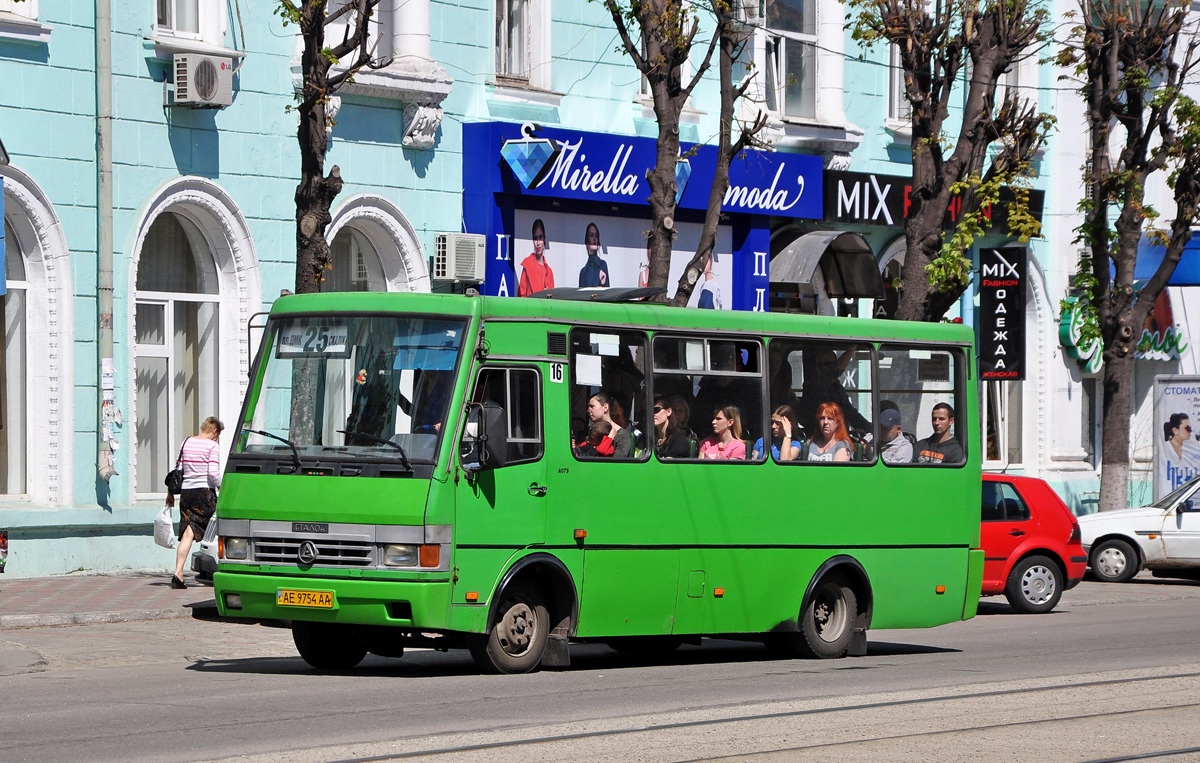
[1030, 543]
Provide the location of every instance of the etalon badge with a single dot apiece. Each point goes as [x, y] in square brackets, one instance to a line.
[308, 552]
[530, 158]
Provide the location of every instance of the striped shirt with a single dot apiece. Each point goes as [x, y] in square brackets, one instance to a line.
[201, 463]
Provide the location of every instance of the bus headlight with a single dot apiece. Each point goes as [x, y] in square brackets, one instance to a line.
[396, 555]
[236, 548]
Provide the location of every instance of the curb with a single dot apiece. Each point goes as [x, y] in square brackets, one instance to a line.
[201, 609]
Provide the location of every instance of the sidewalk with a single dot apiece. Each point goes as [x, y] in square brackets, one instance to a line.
[81, 599]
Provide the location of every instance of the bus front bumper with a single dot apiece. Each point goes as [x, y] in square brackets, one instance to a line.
[397, 603]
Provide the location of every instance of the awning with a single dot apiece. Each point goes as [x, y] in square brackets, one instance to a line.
[1150, 256]
[848, 266]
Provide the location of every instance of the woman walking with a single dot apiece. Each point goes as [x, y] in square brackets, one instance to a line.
[201, 464]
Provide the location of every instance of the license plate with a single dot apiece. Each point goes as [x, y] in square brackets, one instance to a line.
[291, 598]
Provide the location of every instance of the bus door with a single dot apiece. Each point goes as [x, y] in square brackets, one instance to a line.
[630, 558]
[504, 510]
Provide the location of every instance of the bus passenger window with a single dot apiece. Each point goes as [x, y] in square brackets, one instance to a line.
[920, 391]
[517, 390]
[828, 387]
[608, 395]
[713, 388]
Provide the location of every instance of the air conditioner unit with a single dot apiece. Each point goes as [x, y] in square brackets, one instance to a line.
[203, 81]
[459, 257]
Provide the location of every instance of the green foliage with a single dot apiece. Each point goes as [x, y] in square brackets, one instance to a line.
[288, 12]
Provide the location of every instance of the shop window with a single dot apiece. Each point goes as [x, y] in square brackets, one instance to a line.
[518, 391]
[608, 390]
[1002, 422]
[176, 344]
[899, 109]
[924, 386]
[791, 65]
[707, 375]
[830, 380]
[13, 372]
[355, 264]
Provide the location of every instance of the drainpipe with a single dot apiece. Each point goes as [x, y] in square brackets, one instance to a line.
[104, 230]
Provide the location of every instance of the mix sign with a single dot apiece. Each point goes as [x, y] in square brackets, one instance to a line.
[1002, 313]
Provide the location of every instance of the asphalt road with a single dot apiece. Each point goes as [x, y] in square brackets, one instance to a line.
[1113, 673]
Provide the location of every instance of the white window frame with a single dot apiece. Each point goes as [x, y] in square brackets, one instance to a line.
[537, 50]
[19, 22]
[24, 375]
[1022, 75]
[899, 109]
[169, 26]
[502, 40]
[213, 22]
[1005, 425]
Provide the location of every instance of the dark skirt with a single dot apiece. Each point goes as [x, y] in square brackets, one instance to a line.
[196, 507]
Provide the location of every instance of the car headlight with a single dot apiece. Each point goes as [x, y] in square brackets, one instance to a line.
[396, 555]
[236, 548]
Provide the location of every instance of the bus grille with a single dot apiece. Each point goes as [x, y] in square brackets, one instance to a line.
[330, 553]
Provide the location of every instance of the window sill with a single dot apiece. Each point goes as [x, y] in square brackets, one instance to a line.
[16, 28]
[515, 92]
[899, 130]
[415, 80]
[164, 46]
[687, 116]
[813, 135]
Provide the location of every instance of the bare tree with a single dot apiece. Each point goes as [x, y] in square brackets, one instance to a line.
[1135, 59]
[732, 37]
[939, 42]
[325, 69]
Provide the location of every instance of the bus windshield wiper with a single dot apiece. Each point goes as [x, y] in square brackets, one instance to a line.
[381, 441]
[284, 440]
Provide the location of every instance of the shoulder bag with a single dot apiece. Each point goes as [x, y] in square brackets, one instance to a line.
[174, 478]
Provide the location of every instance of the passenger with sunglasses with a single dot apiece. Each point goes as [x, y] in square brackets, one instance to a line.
[671, 436]
[536, 274]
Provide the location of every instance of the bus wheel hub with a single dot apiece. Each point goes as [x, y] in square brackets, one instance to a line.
[516, 629]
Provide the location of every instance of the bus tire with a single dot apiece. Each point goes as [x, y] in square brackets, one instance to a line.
[1114, 561]
[827, 623]
[517, 639]
[327, 646]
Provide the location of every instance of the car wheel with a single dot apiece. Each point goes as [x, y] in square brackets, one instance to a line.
[827, 623]
[327, 646]
[517, 639]
[1034, 585]
[1114, 561]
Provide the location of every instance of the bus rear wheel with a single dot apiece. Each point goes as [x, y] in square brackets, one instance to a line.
[827, 623]
[517, 639]
[327, 646]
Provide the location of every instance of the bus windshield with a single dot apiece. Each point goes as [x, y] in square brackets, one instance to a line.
[351, 387]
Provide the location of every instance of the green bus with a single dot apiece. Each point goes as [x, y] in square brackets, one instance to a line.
[509, 475]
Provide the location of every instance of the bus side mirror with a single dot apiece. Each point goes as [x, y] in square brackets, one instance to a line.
[485, 438]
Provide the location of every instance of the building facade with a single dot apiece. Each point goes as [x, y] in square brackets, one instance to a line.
[189, 212]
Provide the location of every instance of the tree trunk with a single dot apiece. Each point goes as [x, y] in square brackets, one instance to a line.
[1114, 473]
[662, 187]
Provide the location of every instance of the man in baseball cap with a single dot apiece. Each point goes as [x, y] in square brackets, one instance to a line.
[895, 447]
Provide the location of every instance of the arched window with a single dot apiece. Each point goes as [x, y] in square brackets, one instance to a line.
[13, 370]
[175, 343]
[356, 265]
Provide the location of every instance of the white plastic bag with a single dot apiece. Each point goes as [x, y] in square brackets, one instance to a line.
[164, 528]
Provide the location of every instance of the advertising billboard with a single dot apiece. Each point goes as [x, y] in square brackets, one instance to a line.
[1176, 432]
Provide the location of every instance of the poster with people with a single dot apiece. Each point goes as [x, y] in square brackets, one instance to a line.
[1176, 432]
[554, 249]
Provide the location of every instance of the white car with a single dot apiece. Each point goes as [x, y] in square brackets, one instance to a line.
[1163, 537]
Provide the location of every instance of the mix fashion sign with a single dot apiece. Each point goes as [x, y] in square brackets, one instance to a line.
[862, 197]
[612, 168]
[1002, 313]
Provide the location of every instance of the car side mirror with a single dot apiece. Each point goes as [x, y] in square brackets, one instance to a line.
[485, 438]
[1186, 506]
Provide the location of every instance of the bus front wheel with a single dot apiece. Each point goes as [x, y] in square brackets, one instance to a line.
[827, 623]
[517, 639]
[327, 646]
